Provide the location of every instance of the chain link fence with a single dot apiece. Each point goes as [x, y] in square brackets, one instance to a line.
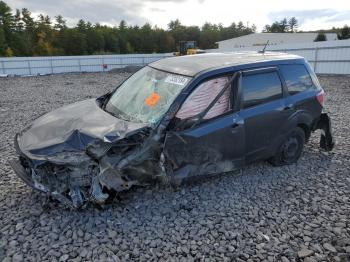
[67, 64]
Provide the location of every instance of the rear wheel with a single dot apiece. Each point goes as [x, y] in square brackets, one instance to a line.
[290, 149]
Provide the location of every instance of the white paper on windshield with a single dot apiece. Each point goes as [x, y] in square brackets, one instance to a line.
[176, 80]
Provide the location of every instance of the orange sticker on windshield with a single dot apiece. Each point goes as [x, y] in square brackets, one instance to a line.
[152, 100]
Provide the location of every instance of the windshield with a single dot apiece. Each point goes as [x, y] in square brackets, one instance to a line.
[146, 95]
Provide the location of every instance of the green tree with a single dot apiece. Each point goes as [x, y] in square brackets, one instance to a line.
[2, 42]
[43, 46]
[320, 37]
[18, 43]
[147, 37]
[27, 19]
[164, 42]
[59, 28]
[19, 25]
[6, 24]
[174, 24]
[73, 42]
[282, 26]
[22, 35]
[209, 35]
[293, 24]
[81, 26]
[8, 52]
[94, 39]
[6, 17]
[111, 40]
[44, 37]
[192, 33]
[29, 34]
[344, 33]
[60, 23]
[177, 31]
[123, 37]
[273, 28]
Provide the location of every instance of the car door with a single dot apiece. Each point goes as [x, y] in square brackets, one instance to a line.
[214, 141]
[302, 90]
[263, 110]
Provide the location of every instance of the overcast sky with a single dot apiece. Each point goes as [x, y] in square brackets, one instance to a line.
[312, 14]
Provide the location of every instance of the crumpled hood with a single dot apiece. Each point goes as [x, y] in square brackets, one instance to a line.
[72, 128]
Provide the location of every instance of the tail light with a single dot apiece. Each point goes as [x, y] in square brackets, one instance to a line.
[320, 97]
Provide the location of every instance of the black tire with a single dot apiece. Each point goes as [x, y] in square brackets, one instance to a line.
[290, 149]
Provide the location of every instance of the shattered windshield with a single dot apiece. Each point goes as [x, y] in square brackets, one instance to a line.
[146, 95]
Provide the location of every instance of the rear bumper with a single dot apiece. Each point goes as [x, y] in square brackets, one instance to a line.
[324, 124]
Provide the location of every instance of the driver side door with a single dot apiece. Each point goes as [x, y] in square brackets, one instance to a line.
[213, 140]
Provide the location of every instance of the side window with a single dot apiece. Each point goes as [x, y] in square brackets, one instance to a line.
[260, 88]
[202, 96]
[297, 78]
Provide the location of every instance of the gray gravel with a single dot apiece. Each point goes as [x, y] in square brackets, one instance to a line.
[294, 213]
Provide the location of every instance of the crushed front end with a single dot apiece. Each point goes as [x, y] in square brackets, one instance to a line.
[86, 155]
[94, 175]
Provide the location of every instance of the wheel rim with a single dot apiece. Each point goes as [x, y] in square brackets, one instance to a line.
[290, 148]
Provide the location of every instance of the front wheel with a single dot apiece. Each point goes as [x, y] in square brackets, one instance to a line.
[290, 149]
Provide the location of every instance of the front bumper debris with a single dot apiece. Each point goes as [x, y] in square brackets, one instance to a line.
[95, 174]
[21, 172]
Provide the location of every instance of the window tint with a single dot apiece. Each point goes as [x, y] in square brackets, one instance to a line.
[297, 78]
[202, 96]
[260, 88]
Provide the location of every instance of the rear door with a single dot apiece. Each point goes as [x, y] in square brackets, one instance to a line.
[211, 134]
[301, 89]
[263, 110]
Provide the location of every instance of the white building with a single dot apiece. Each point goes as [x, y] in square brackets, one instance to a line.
[257, 40]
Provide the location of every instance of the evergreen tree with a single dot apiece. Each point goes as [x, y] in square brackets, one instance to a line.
[293, 24]
[320, 37]
[60, 23]
[6, 24]
[19, 26]
[22, 35]
[282, 26]
[2, 42]
[29, 33]
[344, 33]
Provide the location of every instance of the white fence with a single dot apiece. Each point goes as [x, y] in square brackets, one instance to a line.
[65, 64]
[328, 57]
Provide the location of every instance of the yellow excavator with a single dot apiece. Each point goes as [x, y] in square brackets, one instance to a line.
[188, 48]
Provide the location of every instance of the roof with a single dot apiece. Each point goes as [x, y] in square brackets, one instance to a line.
[256, 39]
[193, 64]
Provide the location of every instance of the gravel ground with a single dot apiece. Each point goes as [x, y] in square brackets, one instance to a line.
[294, 213]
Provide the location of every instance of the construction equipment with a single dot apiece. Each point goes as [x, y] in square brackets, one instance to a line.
[188, 48]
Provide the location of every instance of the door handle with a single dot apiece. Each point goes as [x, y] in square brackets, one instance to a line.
[234, 125]
[289, 107]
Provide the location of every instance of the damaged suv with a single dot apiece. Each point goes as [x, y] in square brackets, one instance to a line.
[175, 119]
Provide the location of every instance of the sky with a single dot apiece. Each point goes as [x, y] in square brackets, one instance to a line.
[311, 14]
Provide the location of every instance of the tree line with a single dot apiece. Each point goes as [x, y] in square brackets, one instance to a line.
[291, 26]
[342, 33]
[284, 26]
[23, 35]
